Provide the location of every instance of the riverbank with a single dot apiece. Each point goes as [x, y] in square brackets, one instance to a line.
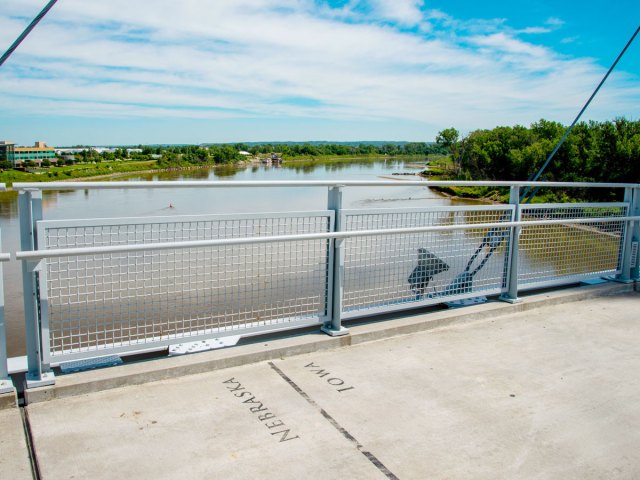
[82, 172]
[76, 172]
[454, 194]
[436, 170]
[480, 194]
[499, 194]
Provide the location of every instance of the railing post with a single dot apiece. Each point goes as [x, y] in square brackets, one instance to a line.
[513, 252]
[30, 211]
[6, 385]
[627, 263]
[634, 233]
[334, 327]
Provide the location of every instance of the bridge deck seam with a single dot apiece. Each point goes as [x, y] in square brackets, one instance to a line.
[334, 423]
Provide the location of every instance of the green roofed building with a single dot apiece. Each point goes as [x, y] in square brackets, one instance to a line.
[17, 155]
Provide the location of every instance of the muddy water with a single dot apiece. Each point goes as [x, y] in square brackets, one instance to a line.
[239, 301]
[161, 202]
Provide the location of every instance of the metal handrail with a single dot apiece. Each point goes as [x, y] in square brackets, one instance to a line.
[505, 281]
[305, 183]
[140, 247]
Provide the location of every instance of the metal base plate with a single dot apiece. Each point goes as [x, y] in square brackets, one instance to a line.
[503, 298]
[467, 302]
[90, 364]
[594, 281]
[620, 280]
[203, 345]
[334, 333]
[48, 378]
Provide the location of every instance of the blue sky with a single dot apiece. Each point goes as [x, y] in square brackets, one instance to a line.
[193, 71]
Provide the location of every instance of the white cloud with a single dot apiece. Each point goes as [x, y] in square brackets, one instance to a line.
[534, 30]
[567, 40]
[262, 59]
[406, 12]
[502, 42]
[554, 22]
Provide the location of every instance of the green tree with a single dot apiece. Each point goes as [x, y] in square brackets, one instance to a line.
[449, 139]
[226, 154]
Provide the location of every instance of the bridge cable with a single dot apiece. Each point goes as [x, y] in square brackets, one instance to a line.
[463, 283]
[26, 32]
[536, 176]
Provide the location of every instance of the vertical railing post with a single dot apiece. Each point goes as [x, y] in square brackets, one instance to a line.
[634, 233]
[6, 385]
[627, 240]
[514, 250]
[334, 327]
[30, 211]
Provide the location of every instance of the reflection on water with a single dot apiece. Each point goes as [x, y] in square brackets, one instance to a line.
[8, 204]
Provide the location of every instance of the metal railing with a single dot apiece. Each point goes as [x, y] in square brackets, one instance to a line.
[6, 385]
[377, 267]
[118, 301]
[95, 287]
[561, 253]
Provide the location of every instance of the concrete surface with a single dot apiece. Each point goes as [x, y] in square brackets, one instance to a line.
[14, 456]
[544, 393]
[8, 400]
[403, 323]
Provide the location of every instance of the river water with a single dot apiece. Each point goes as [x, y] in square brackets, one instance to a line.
[155, 202]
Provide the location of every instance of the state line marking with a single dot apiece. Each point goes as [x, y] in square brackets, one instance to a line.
[370, 456]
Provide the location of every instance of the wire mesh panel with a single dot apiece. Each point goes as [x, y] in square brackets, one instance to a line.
[129, 300]
[552, 254]
[126, 231]
[391, 272]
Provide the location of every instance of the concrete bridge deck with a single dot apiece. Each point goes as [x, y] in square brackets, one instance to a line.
[545, 389]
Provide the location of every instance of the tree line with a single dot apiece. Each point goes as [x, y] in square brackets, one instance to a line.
[230, 153]
[593, 152]
[331, 149]
[168, 156]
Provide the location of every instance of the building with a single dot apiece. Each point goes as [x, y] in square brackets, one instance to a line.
[7, 152]
[39, 152]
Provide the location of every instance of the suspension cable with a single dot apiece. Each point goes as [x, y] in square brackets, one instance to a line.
[26, 32]
[535, 177]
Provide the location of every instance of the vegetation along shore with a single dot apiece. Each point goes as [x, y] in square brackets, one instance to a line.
[90, 164]
[593, 152]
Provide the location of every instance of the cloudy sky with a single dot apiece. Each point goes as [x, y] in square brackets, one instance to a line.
[192, 71]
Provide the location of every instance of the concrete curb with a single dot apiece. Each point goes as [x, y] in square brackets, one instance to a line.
[8, 400]
[298, 344]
